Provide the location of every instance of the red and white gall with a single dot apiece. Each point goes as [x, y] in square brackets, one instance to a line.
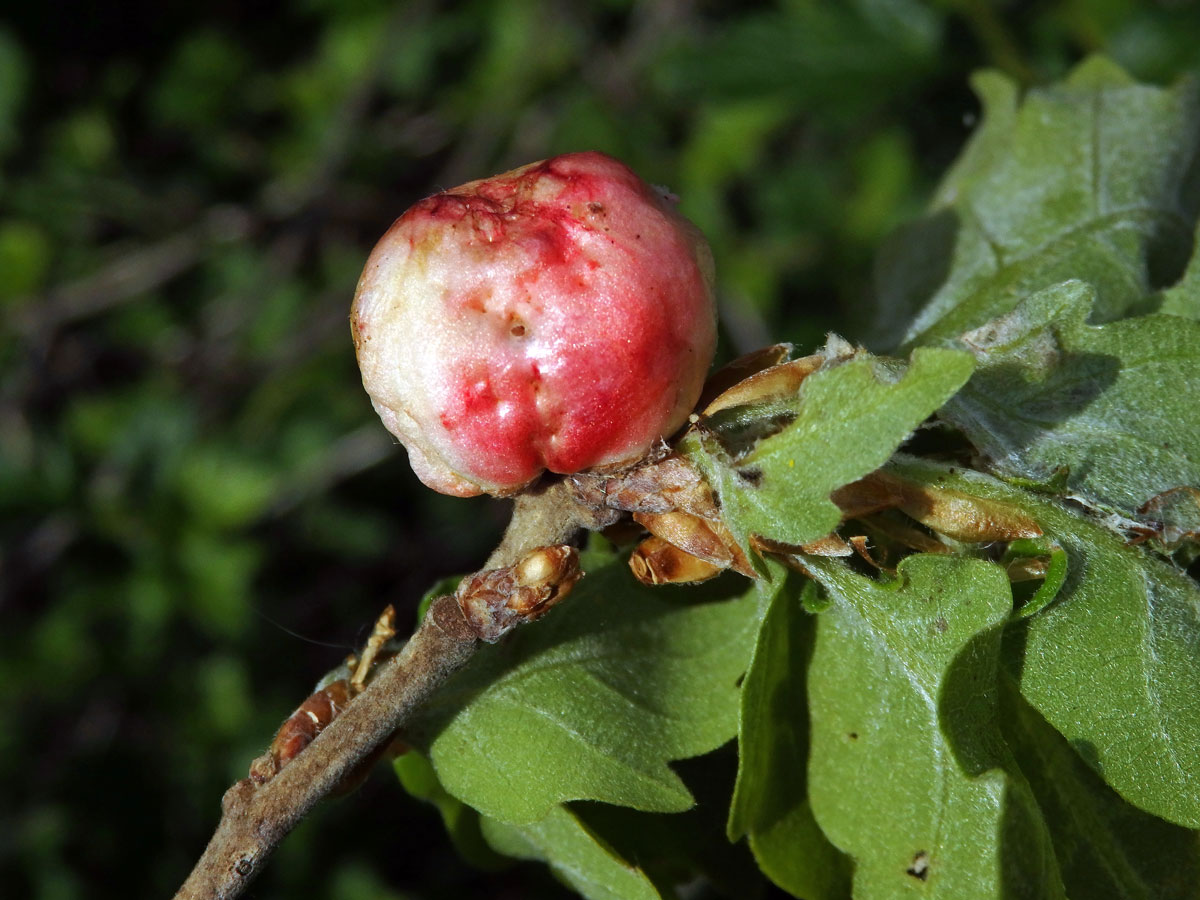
[557, 317]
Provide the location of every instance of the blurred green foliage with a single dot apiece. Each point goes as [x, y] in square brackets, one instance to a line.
[199, 513]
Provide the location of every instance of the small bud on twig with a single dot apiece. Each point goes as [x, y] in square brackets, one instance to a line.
[496, 600]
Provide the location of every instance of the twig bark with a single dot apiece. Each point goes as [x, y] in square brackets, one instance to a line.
[256, 817]
[543, 516]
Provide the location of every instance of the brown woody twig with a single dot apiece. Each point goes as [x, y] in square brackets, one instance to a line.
[529, 572]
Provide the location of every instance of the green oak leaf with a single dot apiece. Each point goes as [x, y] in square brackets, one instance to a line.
[676, 849]
[1106, 847]
[574, 852]
[595, 842]
[909, 772]
[1113, 662]
[848, 419]
[462, 823]
[1183, 297]
[594, 701]
[770, 800]
[1113, 404]
[1093, 177]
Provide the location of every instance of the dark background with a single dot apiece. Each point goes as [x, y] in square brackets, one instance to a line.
[199, 513]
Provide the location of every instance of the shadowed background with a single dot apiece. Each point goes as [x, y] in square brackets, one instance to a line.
[199, 512]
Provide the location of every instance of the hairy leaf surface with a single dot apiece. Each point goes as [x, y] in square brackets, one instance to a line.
[1114, 662]
[848, 420]
[770, 801]
[1113, 404]
[909, 772]
[1106, 847]
[594, 701]
[1091, 178]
